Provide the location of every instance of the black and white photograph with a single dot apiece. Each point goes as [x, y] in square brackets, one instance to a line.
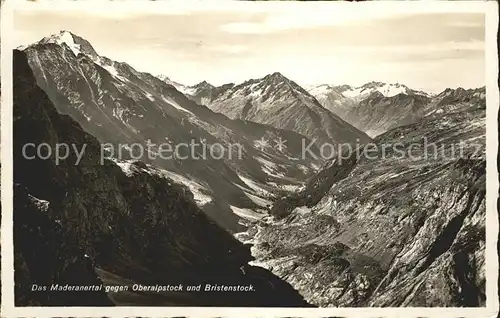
[271, 154]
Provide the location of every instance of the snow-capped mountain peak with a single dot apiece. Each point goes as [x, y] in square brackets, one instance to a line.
[373, 107]
[76, 44]
[388, 90]
[358, 93]
[64, 37]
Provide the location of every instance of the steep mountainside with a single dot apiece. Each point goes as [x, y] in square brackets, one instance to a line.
[133, 226]
[277, 101]
[122, 106]
[378, 113]
[402, 226]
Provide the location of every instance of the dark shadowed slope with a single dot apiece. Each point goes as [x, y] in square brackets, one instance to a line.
[134, 226]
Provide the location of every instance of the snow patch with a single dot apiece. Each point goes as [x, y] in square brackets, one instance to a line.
[260, 264]
[270, 168]
[67, 38]
[175, 105]
[287, 187]
[198, 190]
[111, 70]
[320, 91]
[302, 210]
[126, 167]
[258, 200]
[388, 90]
[43, 205]
[246, 213]
[186, 90]
[254, 186]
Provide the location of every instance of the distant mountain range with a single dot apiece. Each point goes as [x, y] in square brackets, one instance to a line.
[280, 102]
[377, 107]
[372, 108]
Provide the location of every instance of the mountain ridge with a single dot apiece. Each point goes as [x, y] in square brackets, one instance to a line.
[280, 102]
[376, 108]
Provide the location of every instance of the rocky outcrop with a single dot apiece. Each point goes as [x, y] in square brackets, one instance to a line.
[316, 187]
[402, 227]
[124, 220]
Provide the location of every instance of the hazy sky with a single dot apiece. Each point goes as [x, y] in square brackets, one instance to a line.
[426, 48]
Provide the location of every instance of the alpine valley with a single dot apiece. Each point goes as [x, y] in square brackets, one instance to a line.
[298, 229]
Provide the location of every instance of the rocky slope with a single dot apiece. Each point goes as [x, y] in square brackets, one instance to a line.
[277, 101]
[122, 106]
[126, 221]
[404, 226]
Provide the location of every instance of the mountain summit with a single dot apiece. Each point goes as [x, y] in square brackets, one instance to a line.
[280, 102]
[75, 43]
